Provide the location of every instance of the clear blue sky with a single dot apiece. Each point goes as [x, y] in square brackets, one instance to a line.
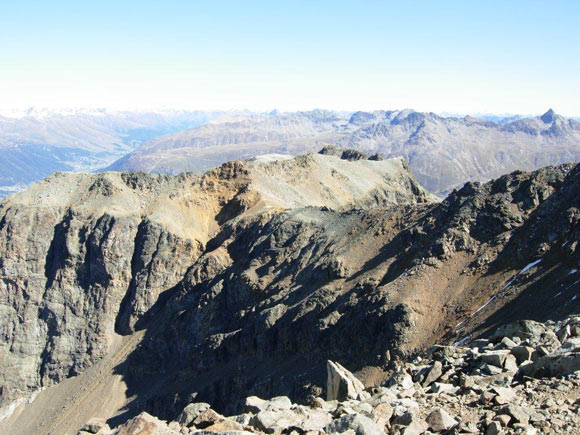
[455, 56]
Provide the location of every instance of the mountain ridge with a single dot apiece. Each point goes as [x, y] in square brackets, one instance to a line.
[244, 280]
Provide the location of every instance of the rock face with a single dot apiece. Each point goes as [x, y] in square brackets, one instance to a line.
[245, 281]
[443, 152]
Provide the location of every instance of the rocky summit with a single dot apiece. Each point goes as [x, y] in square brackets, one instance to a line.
[293, 293]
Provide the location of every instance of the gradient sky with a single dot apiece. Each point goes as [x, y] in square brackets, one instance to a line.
[445, 56]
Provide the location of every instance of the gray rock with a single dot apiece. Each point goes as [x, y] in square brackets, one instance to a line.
[503, 419]
[503, 395]
[94, 425]
[438, 388]
[518, 413]
[254, 404]
[358, 423]
[557, 364]
[382, 413]
[416, 427]
[494, 428]
[341, 384]
[522, 353]
[400, 379]
[495, 357]
[280, 402]
[191, 412]
[434, 373]
[439, 420]
[313, 419]
[524, 329]
[510, 363]
[275, 421]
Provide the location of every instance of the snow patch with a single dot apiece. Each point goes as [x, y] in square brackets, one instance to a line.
[485, 305]
[461, 323]
[529, 266]
[509, 283]
[404, 273]
[463, 340]
[9, 409]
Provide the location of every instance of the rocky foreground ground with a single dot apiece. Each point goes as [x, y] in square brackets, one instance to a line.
[524, 379]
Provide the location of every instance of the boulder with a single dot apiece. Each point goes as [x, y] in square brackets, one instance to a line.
[255, 404]
[207, 418]
[275, 421]
[401, 379]
[557, 364]
[434, 373]
[494, 428]
[522, 353]
[224, 425]
[523, 329]
[341, 384]
[510, 363]
[503, 419]
[357, 423]
[417, 426]
[190, 413]
[281, 402]
[504, 395]
[94, 425]
[439, 420]
[382, 413]
[314, 419]
[145, 424]
[438, 388]
[518, 413]
[495, 357]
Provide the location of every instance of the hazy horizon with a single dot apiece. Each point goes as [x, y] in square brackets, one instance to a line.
[24, 111]
[453, 56]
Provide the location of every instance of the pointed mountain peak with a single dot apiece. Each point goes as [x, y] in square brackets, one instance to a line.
[548, 117]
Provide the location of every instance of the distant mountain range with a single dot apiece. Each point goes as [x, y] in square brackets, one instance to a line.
[443, 152]
[35, 143]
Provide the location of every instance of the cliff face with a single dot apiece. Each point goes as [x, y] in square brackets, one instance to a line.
[84, 257]
[247, 279]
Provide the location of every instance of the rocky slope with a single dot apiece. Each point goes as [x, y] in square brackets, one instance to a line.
[161, 290]
[443, 152]
[524, 380]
